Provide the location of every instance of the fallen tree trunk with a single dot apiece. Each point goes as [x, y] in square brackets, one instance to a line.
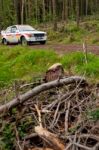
[50, 138]
[35, 91]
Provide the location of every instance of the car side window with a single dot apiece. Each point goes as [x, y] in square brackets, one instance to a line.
[13, 29]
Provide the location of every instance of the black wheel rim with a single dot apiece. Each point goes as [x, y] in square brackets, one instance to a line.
[5, 42]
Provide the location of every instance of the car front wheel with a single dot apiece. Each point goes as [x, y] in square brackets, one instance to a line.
[5, 42]
[24, 41]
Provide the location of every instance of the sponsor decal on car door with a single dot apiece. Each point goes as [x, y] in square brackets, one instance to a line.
[8, 35]
[14, 35]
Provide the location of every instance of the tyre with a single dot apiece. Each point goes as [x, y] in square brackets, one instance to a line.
[5, 42]
[42, 42]
[24, 41]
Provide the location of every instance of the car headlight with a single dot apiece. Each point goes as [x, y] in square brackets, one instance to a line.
[30, 35]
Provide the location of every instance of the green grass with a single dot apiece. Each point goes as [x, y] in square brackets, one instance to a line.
[94, 115]
[75, 62]
[23, 63]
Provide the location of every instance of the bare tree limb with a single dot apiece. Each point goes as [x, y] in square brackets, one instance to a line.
[39, 115]
[39, 89]
[82, 146]
[66, 118]
[37, 148]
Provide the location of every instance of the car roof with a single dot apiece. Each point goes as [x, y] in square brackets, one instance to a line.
[19, 25]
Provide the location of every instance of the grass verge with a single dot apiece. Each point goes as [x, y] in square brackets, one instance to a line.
[24, 63]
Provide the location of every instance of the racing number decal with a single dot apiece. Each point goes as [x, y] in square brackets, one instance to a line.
[18, 36]
[9, 37]
[13, 38]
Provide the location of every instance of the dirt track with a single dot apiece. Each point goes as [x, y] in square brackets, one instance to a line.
[62, 48]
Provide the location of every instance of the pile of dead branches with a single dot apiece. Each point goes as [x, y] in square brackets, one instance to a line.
[55, 116]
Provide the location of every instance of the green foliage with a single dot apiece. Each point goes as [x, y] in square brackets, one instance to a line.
[23, 63]
[76, 63]
[38, 11]
[94, 115]
[8, 137]
[22, 129]
[7, 13]
[73, 129]
[73, 59]
[70, 33]
[10, 130]
[55, 36]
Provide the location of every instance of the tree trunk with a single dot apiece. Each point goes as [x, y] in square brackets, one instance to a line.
[54, 15]
[22, 12]
[35, 91]
[17, 5]
[86, 7]
[43, 9]
[36, 8]
[65, 10]
[50, 9]
[77, 13]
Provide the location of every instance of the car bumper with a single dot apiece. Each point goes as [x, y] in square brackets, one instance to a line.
[36, 39]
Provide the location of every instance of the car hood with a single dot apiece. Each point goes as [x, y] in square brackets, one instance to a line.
[2, 31]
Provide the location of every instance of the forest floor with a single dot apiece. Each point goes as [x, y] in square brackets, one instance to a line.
[64, 48]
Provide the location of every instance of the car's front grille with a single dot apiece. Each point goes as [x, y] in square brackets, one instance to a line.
[39, 35]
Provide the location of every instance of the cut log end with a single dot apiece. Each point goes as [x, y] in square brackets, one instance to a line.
[51, 138]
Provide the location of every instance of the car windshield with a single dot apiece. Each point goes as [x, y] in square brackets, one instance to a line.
[26, 28]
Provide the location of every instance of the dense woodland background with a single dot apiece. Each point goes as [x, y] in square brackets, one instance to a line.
[45, 11]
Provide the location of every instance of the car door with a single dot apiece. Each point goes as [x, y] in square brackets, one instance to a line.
[8, 34]
[14, 32]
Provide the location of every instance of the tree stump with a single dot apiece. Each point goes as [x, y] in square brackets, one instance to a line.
[56, 71]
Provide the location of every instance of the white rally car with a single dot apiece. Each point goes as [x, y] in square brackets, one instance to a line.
[23, 34]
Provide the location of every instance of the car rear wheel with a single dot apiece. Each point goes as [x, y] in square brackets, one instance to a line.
[24, 41]
[5, 42]
[42, 42]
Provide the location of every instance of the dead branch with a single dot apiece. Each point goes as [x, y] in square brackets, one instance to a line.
[92, 136]
[50, 138]
[35, 91]
[82, 146]
[66, 118]
[36, 148]
[39, 115]
[30, 136]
